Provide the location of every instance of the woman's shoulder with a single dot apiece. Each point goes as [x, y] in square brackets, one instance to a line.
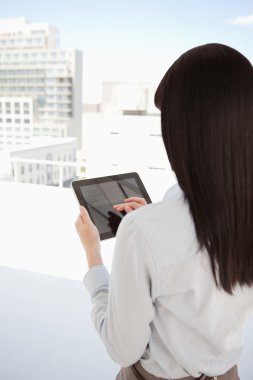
[174, 192]
[161, 220]
[173, 206]
[165, 228]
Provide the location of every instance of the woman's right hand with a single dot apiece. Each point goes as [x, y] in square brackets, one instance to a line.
[130, 204]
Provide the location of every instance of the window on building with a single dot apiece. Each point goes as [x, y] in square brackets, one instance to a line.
[22, 170]
[8, 120]
[38, 32]
[27, 121]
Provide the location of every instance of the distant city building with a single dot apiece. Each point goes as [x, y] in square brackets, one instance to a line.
[27, 162]
[128, 98]
[91, 107]
[32, 65]
[17, 126]
[16, 121]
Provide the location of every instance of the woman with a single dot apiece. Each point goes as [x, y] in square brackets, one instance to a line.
[181, 283]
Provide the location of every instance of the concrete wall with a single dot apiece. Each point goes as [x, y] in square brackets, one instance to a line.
[46, 331]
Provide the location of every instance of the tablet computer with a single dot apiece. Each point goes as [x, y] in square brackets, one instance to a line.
[98, 195]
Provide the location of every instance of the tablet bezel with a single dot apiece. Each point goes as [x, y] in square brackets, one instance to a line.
[111, 178]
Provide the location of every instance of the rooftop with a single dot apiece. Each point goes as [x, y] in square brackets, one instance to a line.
[42, 142]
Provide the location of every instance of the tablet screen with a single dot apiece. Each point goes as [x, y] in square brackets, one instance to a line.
[100, 194]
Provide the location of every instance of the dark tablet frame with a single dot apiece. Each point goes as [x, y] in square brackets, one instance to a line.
[112, 178]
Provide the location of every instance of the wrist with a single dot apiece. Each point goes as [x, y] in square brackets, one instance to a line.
[94, 258]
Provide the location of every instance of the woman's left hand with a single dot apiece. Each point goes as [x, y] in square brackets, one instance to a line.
[89, 236]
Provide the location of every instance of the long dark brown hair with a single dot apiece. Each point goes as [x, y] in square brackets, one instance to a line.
[206, 103]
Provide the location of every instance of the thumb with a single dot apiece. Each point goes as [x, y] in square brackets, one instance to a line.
[84, 214]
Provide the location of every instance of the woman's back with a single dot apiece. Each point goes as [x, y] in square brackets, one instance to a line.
[196, 326]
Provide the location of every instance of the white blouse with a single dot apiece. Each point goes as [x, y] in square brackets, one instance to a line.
[161, 304]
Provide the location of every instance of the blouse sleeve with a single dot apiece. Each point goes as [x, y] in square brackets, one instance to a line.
[123, 305]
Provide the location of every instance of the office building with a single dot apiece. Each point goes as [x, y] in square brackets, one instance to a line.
[33, 66]
[128, 98]
[16, 121]
[17, 124]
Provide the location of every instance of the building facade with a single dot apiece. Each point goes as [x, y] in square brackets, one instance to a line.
[16, 121]
[17, 125]
[32, 65]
